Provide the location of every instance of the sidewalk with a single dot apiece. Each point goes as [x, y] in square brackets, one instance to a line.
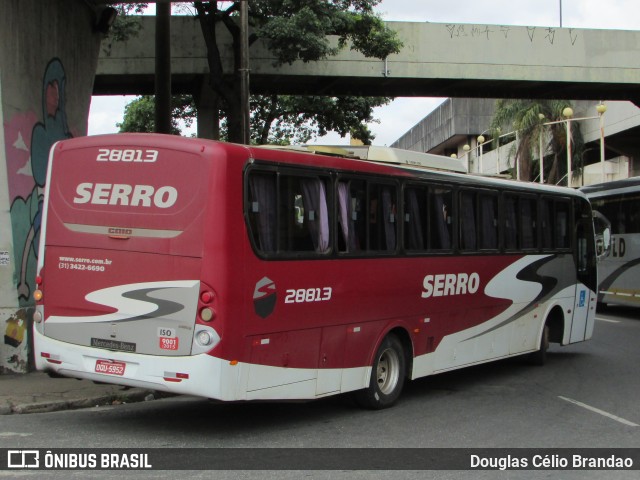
[36, 392]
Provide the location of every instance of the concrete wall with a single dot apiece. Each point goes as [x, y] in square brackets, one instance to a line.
[454, 117]
[437, 60]
[48, 57]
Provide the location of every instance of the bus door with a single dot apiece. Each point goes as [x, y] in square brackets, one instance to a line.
[586, 276]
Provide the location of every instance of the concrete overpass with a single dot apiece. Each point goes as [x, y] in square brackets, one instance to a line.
[445, 60]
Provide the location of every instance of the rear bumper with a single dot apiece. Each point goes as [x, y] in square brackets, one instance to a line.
[201, 375]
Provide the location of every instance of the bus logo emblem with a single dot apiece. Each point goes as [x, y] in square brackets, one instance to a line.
[264, 297]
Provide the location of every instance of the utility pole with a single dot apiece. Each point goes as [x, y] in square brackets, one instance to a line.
[560, 13]
[244, 71]
[163, 68]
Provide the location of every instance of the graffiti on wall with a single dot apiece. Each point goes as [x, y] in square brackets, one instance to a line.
[15, 342]
[28, 141]
[29, 135]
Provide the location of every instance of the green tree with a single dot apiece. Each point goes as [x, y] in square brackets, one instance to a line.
[275, 119]
[293, 30]
[126, 24]
[527, 117]
[285, 119]
[139, 114]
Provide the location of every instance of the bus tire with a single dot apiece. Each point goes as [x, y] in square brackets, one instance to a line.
[387, 376]
[539, 357]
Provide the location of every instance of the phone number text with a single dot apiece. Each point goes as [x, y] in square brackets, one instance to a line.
[81, 266]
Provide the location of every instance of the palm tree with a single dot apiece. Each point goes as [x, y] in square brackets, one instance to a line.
[528, 118]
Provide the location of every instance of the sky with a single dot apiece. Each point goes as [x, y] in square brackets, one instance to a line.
[402, 114]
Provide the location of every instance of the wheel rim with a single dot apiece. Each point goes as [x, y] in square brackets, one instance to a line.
[388, 371]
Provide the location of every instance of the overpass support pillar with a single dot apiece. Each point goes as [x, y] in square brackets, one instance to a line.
[207, 106]
[48, 58]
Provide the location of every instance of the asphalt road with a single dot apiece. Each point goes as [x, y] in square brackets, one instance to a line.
[587, 395]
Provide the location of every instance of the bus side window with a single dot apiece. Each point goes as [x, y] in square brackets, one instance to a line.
[468, 239]
[382, 218]
[366, 216]
[316, 215]
[262, 210]
[346, 234]
[303, 215]
[562, 239]
[440, 221]
[546, 220]
[511, 223]
[488, 222]
[358, 211]
[352, 223]
[415, 218]
[528, 218]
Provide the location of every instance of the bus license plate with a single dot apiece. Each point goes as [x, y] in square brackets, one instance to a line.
[110, 368]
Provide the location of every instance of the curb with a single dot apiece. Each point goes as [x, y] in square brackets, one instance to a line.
[74, 404]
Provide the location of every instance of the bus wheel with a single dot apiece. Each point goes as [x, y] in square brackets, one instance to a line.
[539, 357]
[387, 376]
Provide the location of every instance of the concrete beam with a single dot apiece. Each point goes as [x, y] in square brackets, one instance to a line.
[457, 60]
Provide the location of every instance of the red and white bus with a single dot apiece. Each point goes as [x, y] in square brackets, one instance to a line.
[243, 273]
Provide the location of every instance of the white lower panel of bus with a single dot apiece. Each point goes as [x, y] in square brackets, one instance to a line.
[200, 375]
[513, 332]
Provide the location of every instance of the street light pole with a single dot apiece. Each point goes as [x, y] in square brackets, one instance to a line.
[541, 154]
[568, 113]
[480, 144]
[467, 149]
[601, 108]
[560, 13]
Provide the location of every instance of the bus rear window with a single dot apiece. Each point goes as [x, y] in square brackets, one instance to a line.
[150, 196]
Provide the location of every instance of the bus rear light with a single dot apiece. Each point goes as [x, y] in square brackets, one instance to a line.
[204, 338]
[175, 376]
[55, 359]
[37, 295]
[37, 316]
[207, 314]
[38, 280]
[206, 296]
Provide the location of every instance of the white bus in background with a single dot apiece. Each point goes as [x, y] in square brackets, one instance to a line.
[616, 207]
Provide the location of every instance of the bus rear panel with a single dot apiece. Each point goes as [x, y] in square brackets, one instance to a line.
[121, 261]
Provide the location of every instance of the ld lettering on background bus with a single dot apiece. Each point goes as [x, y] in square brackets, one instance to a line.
[619, 247]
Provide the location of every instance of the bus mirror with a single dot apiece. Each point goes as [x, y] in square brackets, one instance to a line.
[603, 243]
[606, 237]
[602, 228]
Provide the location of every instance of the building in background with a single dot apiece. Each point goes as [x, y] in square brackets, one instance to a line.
[455, 127]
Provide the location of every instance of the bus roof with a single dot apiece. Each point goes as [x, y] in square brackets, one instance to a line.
[394, 156]
[420, 164]
[626, 185]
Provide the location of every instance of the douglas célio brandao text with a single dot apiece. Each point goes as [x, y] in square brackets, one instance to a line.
[550, 462]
